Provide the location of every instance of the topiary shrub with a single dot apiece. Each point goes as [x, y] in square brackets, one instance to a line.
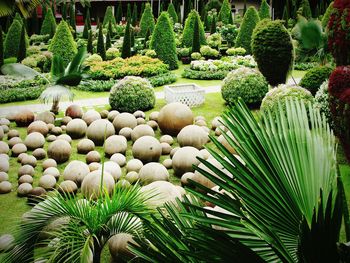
[280, 94]
[134, 15]
[188, 33]
[131, 94]
[109, 17]
[305, 9]
[225, 14]
[163, 41]
[49, 24]
[273, 51]
[63, 44]
[1, 48]
[147, 21]
[172, 13]
[126, 48]
[22, 49]
[239, 51]
[264, 10]
[327, 15]
[12, 39]
[246, 83]
[196, 45]
[250, 20]
[315, 77]
[322, 102]
[101, 49]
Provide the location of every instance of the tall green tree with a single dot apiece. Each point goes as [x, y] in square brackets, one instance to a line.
[264, 10]
[134, 15]
[108, 37]
[101, 49]
[128, 12]
[225, 14]
[118, 12]
[147, 21]
[244, 7]
[86, 30]
[90, 47]
[72, 19]
[64, 10]
[213, 25]
[12, 39]
[88, 18]
[163, 41]
[196, 45]
[22, 49]
[49, 24]
[126, 48]
[109, 17]
[1, 48]
[172, 13]
[187, 40]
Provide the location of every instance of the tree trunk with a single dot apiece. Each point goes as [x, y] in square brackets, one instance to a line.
[55, 106]
[97, 253]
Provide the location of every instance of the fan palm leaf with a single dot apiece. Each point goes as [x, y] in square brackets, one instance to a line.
[56, 93]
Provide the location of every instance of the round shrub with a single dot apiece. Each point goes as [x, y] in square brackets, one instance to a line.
[92, 59]
[132, 94]
[12, 40]
[315, 77]
[322, 102]
[282, 93]
[188, 33]
[239, 51]
[246, 83]
[273, 51]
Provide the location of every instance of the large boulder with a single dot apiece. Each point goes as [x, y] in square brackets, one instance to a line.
[184, 159]
[76, 171]
[26, 169]
[152, 172]
[147, 149]
[24, 189]
[18, 148]
[38, 126]
[90, 116]
[46, 116]
[24, 118]
[119, 159]
[124, 120]
[90, 186]
[59, 150]
[34, 140]
[99, 130]
[12, 133]
[192, 135]
[74, 111]
[39, 153]
[141, 130]
[49, 163]
[76, 128]
[115, 144]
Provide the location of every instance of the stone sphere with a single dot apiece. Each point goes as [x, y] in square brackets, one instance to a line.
[216, 122]
[63, 127]
[65, 120]
[115, 144]
[112, 114]
[4, 121]
[123, 183]
[173, 151]
[5, 156]
[50, 126]
[134, 165]
[192, 135]
[126, 132]
[47, 181]
[7, 242]
[76, 128]
[74, 111]
[90, 187]
[30, 160]
[154, 116]
[46, 116]
[18, 148]
[152, 172]
[24, 118]
[24, 189]
[201, 123]
[52, 171]
[226, 144]
[185, 177]
[98, 130]
[140, 121]
[65, 137]
[147, 149]
[13, 141]
[93, 157]
[26, 178]
[59, 150]
[4, 148]
[113, 169]
[68, 187]
[39, 153]
[119, 159]
[184, 159]
[90, 116]
[5, 129]
[76, 171]
[166, 148]
[173, 117]
[141, 130]
[4, 165]
[168, 163]
[132, 177]
[139, 114]
[5, 187]
[4, 176]
[38, 126]
[104, 114]
[37, 191]
[2, 133]
[12, 133]
[34, 140]
[118, 247]
[49, 163]
[56, 130]
[167, 138]
[85, 145]
[20, 157]
[94, 166]
[26, 169]
[205, 154]
[51, 138]
[123, 120]
[153, 125]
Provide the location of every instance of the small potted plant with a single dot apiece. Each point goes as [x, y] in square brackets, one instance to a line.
[185, 55]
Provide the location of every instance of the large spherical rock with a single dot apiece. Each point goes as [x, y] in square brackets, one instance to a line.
[4, 121]
[4, 165]
[21, 156]
[5, 187]
[124, 120]
[119, 159]
[12, 133]
[90, 186]
[26, 169]
[13, 141]
[24, 189]
[147, 149]
[24, 118]
[59, 150]
[65, 137]
[18, 148]
[126, 132]
[4, 148]
[85, 145]
[30, 160]
[52, 171]
[166, 148]
[112, 114]
[168, 163]
[51, 138]
[26, 178]
[167, 139]
[68, 187]
[4, 176]
[134, 165]
[34, 140]
[192, 135]
[118, 246]
[49, 163]
[113, 169]
[76, 128]
[184, 159]
[7, 242]
[90, 116]
[38, 126]
[100, 129]
[115, 144]
[39, 153]
[153, 125]
[74, 111]
[76, 171]
[46, 116]
[93, 157]
[173, 117]
[37, 191]
[132, 177]
[47, 181]
[94, 166]
[141, 130]
[152, 172]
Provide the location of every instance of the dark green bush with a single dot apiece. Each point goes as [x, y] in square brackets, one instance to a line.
[162, 79]
[90, 47]
[86, 30]
[101, 49]
[244, 38]
[225, 14]
[96, 85]
[163, 41]
[264, 10]
[126, 48]
[204, 75]
[273, 51]
[196, 45]
[131, 94]
[119, 12]
[187, 38]
[22, 49]
[72, 20]
[314, 78]
[147, 21]
[134, 15]
[172, 13]
[49, 24]
[63, 44]
[12, 39]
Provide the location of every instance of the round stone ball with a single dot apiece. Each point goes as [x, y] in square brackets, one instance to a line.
[90, 116]
[12, 133]
[65, 137]
[94, 166]
[4, 148]
[39, 153]
[52, 171]
[59, 150]
[26, 169]
[13, 141]
[2, 133]
[166, 148]
[68, 187]
[153, 125]
[99, 130]
[139, 114]
[168, 163]
[184, 159]
[76, 128]
[119, 159]
[34, 140]
[132, 177]
[90, 186]
[126, 132]
[185, 177]
[104, 114]
[134, 165]
[30, 160]
[4, 121]
[7, 242]
[24, 118]
[154, 116]
[46, 116]
[93, 157]
[167, 138]
[118, 247]
[85, 145]
[152, 172]
[76, 171]
[141, 130]
[47, 182]
[21, 156]
[56, 130]
[4, 176]
[26, 178]
[5, 187]
[24, 189]
[4, 165]
[123, 120]
[206, 155]
[18, 148]
[112, 114]
[113, 169]
[173, 151]
[49, 163]
[65, 120]
[5, 156]
[147, 149]
[37, 191]
[115, 144]
[51, 138]
[74, 111]
[38, 126]
[140, 121]
[192, 135]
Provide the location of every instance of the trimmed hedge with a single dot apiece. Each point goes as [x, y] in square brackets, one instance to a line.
[147, 21]
[187, 38]
[49, 24]
[162, 79]
[96, 85]
[12, 39]
[314, 78]
[204, 75]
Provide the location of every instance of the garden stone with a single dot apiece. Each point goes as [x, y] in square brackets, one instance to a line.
[59, 150]
[29, 159]
[65, 137]
[132, 177]
[93, 156]
[3, 176]
[46, 116]
[26, 178]
[123, 120]
[134, 165]
[119, 159]
[24, 189]
[90, 116]
[74, 111]
[52, 171]
[56, 130]
[7, 242]
[18, 148]
[90, 187]
[39, 153]
[68, 187]
[168, 163]
[152, 172]
[85, 145]
[115, 144]
[38, 126]
[65, 120]
[166, 148]
[99, 130]
[47, 182]
[184, 159]
[13, 141]
[24, 118]
[112, 114]
[34, 140]
[12, 133]
[5, 187]
[153, 125]
[26, 169]
[4, 148]
[126, 132]
[113, 169]
[94, 166]
[4, 165]
[76, 128]
[51, 138]
[76, 171]
[49, 163]
[167, 138]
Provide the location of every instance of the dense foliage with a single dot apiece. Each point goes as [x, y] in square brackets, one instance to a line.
[147, 21]
[322, 102]
[101, 49]
[12, 39]
[327, 15]
[131, 94]
[264, 10]
[305, 9]
[188, 33]
[109, 17]
[225, 14]
[172, 13]
[49, 24]
[22, 49]
[314, 77]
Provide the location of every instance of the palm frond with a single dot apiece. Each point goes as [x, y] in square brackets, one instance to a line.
[55, 93]
[7, 7]
[75, 65]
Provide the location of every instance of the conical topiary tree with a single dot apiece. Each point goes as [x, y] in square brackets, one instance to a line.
[134, 15]
[196, 45]
[128, 12]
[72, 20]
[305, 9]
[187, 38]
[132, 38]
[118, 12]
[126, 48]
[64, 11]
[273, 51]
[225, 14]
[22, 49]
[244, 7]
[12, 39]
[148, 34]
[101, 49]
[63, 44]
[147, 21]
[163, 41]
[1, 48]
[108, 37]
[172, 13]
[264, 10]
[90, 47]
[86, 30]
[88, 18]
[285, 16]
[250, 19]
[109, 17]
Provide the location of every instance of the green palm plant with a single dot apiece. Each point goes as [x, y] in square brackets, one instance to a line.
[281, 202]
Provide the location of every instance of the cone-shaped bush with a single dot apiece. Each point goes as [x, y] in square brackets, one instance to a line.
[244, 7]
[128, 12]
[12, 39]
[273, 51]
[264, 10]
[163, 41]
[126, 48]
[88, 18]
[86, 30]
[196, 45]
[187, 40]
[118, 12]
[101, 49]
[90, 47]
[134, 15]
[305, 9]
[49, 24]
[109, 17]
[250, 20]
[72, 20]
[172, 13]
[63, 44]
[108, 40]
[147, 21]
[285, 16]
[225, 14]
[1, 48]
[22, 49]
[148, 34]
